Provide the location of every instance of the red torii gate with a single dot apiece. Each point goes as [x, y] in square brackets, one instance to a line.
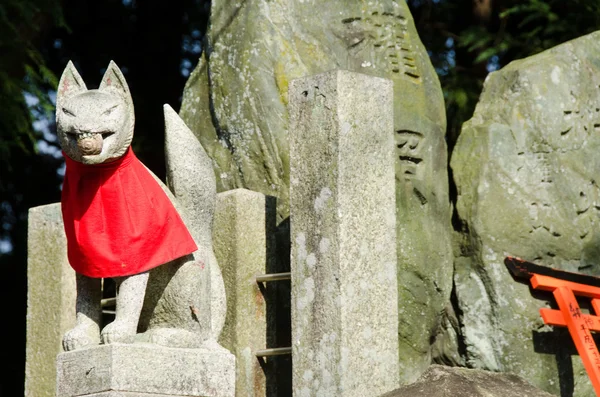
[565, 286]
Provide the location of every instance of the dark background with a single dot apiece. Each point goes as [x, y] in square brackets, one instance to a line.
[157, 44]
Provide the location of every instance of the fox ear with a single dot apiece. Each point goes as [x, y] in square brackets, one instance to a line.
[70, 84]
[114, 80]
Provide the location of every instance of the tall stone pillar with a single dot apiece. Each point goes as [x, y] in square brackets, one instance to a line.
[50, 298]
[343, 233]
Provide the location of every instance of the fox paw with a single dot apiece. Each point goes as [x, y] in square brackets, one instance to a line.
[82, 335]
[118, 332]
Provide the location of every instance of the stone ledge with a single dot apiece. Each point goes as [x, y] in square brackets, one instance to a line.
[136, 370]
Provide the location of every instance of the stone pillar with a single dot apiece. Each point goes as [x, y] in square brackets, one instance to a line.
[50, 298]
[242, 227]
[343, 233]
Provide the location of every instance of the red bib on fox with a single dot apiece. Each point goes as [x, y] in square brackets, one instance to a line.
[118, 220]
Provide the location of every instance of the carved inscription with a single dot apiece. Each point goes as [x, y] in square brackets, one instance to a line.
[587, 207]
[386, 38]
[408, 151]
[578, 125]
[542, 165]
[542, 160]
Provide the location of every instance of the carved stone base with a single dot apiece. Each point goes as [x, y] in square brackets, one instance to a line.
[145, 370]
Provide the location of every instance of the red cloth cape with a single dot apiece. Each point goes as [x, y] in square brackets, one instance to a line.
[118, 220]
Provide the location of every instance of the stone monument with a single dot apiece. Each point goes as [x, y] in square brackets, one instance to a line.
[174, 311]
[236, 102]
[526, 169]
[342, 204]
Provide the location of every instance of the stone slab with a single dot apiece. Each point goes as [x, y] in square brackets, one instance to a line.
[108, 370]
[50, 298]
[343, 232]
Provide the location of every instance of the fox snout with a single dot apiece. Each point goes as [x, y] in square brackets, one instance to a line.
[89, 143]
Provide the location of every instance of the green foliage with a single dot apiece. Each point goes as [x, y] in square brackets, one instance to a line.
[23, 69]
[467, 43]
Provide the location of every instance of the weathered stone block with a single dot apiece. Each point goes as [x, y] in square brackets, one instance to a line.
[236, 99]
[236, 102]
[526, 169]
[145, 369]
[343, 232]
[50, 298]
[241, 233]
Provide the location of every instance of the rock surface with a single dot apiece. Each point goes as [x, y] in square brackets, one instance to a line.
[236, 103]
[440, 381]
[526, 168]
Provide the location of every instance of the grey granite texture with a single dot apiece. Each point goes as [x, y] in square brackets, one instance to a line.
[83, 117]
[236, 102]
[343, 261]
[50, 298]
[145, 368]
[441, 381]
[242, 230]
[193, 184]
[88, 314]
[526, 168]
[181, 303]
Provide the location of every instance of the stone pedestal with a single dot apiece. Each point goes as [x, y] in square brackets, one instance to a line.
[145, 370]
[343, 233]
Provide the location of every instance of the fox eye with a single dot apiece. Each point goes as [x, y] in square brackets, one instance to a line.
[109, 110]
[68, 112]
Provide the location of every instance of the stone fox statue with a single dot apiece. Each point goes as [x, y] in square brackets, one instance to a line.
[121, 222]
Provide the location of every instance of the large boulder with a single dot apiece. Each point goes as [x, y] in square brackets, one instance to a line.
[526, 168]
[236, 103]
[440, 381]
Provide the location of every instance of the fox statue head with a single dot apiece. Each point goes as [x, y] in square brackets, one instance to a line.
[94, 126]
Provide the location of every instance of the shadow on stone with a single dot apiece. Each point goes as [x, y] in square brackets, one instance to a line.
[558, 342]
[278, 369]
